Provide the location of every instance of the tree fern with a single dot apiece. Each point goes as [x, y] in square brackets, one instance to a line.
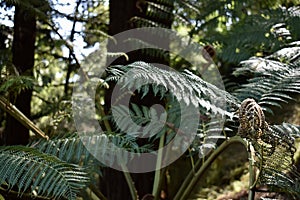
[153, 122]
[261, 34]
[275, 81]
[147, 122]
[271, 149]
[72, 148]
[276, 169]
[68, 148]
[185, 87]
[207, 136]
[27, 170]
[157, 14]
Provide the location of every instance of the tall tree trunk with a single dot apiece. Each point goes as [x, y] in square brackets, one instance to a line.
[23, 61]
[121, 12]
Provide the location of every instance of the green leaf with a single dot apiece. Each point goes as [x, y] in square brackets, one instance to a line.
[46, 174]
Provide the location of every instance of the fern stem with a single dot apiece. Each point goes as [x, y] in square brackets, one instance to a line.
[11, 194]
[96, 192]
[252, 175]
[18, 115]
[130, 182]
[192, 160]
[105, 121]
[251, 194]
[188, 185]
[91, 194]
[157, 176]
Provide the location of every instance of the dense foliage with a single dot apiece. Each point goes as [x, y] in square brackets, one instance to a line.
[256, 48]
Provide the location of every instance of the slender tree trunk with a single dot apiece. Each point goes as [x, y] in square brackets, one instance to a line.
[114, 184]
[121, 13]
[23, 60]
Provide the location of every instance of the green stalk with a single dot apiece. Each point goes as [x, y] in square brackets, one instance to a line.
[127, 176]
[192, 160]
[188, 185]
[157, 176]
[105, 121]
[252, 175]
[98, 195]
[130, 182]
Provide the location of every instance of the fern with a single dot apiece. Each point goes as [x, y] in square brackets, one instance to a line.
[68, 148]
[17, 84]
[146, 118]
[207, 136]
[274, 82]
[163, 2]
[157, 14]
[287, 129]
[285, 59]
[30, 171]
[72, 148]
[260, 34]
[186, 87]
[150, 49]
[142, 22]
[277, 169]
[151, 122]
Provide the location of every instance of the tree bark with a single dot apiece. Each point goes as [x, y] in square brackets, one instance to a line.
[114, 185]
[23, 61]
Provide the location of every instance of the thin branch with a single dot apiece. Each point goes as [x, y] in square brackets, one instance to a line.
[18, 115]
[70, 47]
[72, 34]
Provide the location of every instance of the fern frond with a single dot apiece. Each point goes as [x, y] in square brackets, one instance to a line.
[185, 87]
[276, 159]
[17, 84]
[256, 65]
[289, 54]
[142, 22]
[148, 49]
[274, 82]
[285, 59]
[290, 129]
[68, 148]
[277, 170]
[72, 148]
[30, 171]
[118, 54]
[151, 122]
[163, 2]
[144, 122]
[260, 35]
[159, 12]
[207, 136]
